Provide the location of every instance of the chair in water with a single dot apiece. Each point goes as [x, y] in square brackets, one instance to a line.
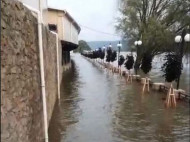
[171, 99]
[129, 77]
[146, 84]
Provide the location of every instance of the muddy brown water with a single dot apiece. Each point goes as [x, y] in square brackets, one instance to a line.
[99, 107]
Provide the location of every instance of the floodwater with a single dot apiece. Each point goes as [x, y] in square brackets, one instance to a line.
[97, 106]
[156, 74]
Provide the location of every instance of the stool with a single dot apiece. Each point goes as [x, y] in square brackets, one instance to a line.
[130, 77]
[146, 83]
[170, 99]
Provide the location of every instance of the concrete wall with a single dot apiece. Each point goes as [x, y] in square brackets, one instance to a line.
[21, 98]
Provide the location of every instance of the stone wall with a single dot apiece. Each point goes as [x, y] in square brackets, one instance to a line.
[22, 112]
[21, 99]
[50, 69]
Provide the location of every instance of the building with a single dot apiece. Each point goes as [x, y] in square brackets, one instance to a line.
[61, 21]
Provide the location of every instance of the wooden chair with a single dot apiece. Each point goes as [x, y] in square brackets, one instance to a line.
[170, 99]
[146, 84]
[129, 77]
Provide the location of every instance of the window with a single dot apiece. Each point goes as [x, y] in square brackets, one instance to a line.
[52, 27]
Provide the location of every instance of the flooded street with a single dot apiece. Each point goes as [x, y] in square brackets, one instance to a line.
[156, 74]
[99, 107]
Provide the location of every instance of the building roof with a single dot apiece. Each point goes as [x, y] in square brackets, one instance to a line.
[68, 16]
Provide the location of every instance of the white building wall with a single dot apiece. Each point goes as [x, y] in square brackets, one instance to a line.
[74, 37]
[70, 33]
[66, 29]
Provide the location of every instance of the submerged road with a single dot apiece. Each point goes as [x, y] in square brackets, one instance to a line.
[99, 107]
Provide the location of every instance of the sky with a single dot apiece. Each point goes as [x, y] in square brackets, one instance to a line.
[99, 15]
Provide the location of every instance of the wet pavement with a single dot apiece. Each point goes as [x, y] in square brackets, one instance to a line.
[99, 107]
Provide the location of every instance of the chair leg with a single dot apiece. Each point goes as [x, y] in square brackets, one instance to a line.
[174, 100]
[144, 86]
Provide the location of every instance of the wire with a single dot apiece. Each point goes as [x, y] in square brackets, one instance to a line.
[99, 31]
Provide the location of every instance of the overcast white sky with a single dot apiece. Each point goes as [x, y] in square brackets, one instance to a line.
[96, 14]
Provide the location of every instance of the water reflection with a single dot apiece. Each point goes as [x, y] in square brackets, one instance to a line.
[144, 118]
[99, 107]
[66, 111]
